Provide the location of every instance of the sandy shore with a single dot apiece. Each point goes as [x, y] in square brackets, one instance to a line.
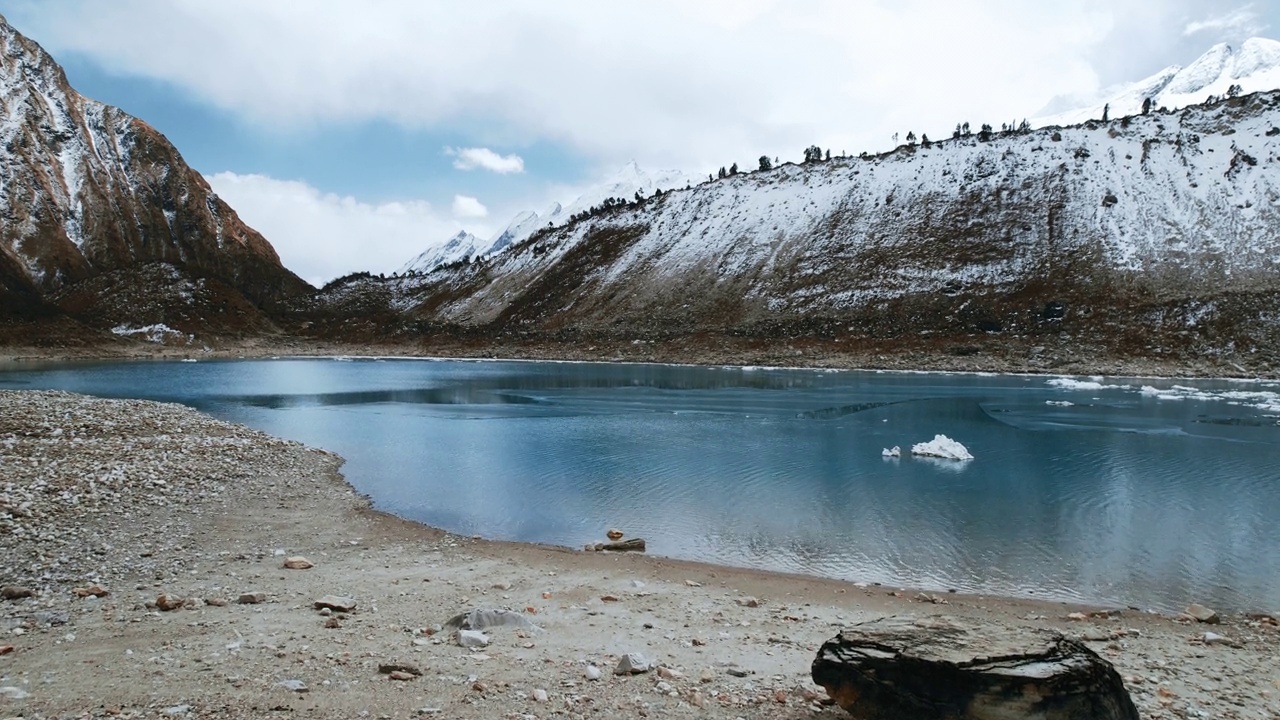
[145, 500]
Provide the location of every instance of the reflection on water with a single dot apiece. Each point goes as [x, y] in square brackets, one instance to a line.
[1143, 492]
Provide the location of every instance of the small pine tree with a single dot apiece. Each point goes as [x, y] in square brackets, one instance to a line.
[911, 137]
[765, 163]
[828, 157]
[813, 153]
[924, 140]
[1146, 105]
[965, 128]
[1106, 112]
[1234, 91]
[733, 169]
[956, 135]
[723, 173]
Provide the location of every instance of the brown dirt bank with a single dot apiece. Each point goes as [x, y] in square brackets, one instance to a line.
[1002, 355]
[146, 499]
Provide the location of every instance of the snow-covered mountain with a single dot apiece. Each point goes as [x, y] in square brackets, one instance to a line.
[624, 184]
[1254, 67]
[521, 226]
[463, 246]
[89, 195]
[1133, 236]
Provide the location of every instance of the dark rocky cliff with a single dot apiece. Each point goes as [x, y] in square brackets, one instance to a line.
[88, 192]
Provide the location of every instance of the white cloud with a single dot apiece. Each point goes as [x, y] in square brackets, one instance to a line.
[467, 207]
[485, 159]
[672, 83]
[1243, 21]
[322, 236]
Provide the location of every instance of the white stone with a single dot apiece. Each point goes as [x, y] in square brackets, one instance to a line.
[293, 685]
[633, 663]
[472, 639]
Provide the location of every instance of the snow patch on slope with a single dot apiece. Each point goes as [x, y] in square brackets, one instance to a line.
[1173, 193]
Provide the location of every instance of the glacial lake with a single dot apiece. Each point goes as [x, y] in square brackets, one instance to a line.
[1142, 492]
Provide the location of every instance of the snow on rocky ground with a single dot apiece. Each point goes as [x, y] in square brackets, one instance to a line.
[1174, 194]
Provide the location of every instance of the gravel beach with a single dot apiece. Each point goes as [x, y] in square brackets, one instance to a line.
[155, 562]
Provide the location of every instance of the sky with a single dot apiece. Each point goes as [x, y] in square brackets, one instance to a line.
[354, 135]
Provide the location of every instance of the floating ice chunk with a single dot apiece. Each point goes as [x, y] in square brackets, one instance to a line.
[1059, 403]
[893, 452]
[943, 447]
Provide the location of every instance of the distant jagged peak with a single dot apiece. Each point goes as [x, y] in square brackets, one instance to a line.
[461, 246]
[521, 226]
[1253, 66]
[624, 183]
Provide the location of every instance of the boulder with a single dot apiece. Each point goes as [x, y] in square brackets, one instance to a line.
[92, 591]
[16, 592]
[337, 603]
[168, 602]
[1203, 614]
[471, 639]
[936, 669]
[633, 664]
[487, 618]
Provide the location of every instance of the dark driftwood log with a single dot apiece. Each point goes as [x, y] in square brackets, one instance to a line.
[936, 669]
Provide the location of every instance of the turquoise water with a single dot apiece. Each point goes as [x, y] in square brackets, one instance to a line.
[1134, 492]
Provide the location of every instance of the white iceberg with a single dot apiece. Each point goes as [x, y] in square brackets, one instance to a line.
[893, 452]
[943, 447]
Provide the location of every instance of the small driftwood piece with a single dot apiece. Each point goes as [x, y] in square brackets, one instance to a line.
[632, 545]
[936, 669]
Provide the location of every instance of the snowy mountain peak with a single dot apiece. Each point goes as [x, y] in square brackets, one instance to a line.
[625, 183]
[1254, 67]
[521, 226]
[463, 246]
[1257, 55]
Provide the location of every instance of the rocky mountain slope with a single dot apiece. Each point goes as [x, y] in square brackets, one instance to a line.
[1254, 66]
[104, 222]
[1148, 235]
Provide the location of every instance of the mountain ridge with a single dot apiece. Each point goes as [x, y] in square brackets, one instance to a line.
[87, 191]
[1150, 234]
[1254, 67]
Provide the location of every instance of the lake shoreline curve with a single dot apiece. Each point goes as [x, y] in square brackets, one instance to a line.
[153, 540]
